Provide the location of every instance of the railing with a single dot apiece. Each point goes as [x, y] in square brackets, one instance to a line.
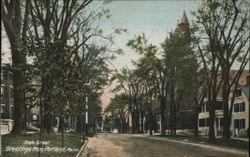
[219, 112]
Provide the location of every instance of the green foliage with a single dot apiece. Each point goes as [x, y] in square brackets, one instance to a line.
[118, 104]
[180, 60]
[66, 58]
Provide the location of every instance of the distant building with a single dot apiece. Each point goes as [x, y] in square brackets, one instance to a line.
[240, 113]
[7, 96]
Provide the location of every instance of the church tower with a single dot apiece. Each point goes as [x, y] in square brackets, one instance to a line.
[183, 26]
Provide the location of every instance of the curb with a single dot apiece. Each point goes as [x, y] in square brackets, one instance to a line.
[82, 149]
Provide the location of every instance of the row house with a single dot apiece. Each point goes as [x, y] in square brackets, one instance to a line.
[240, 113]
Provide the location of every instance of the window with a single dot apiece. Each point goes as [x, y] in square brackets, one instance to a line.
[11, 93]
[239, 123]
[157, 117]
[34, 117]
[239, 107]
[2, 75]
[6, 93]
[238, 92]
[203, 122]
[219, 121]
[204, 107]
[218, 105]
[2, 91]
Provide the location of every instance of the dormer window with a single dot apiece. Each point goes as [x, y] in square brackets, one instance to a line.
[238, 92]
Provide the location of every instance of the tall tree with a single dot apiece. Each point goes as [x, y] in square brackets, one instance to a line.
[52, 28]
[207, 53]
[181, 65]
[152, 71]
[15, 21]
[231, 23]
[128, 83]
[63, 30]
[198, 96]
[225, 23]
[118, 107]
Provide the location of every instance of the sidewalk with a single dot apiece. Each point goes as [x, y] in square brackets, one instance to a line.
[199, 144]
[241, 139]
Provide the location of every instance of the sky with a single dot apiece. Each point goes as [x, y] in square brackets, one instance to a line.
[153, 18]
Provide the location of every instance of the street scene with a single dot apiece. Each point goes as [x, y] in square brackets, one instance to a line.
[132, 78]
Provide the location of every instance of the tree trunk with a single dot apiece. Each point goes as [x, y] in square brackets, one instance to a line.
[61, 121]
[174, 121]
[48, 118]
[62, 129]
[226, 117]
[128, 129]
[119, 125]
[137, 121]
[211, 122]
[79, 124]
[94, 124]
[196, 118]
[142, 125]
[172, 110]
[133, 121]
[163, 118]
[14, 23]
[150, 120]
[19, 61]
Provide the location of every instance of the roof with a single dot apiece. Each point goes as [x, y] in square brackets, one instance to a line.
[245, 89]
[243, 80]
[184, 19]
[183, 25]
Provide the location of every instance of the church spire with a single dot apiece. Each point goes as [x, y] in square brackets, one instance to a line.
[183, 26]
[184, 19]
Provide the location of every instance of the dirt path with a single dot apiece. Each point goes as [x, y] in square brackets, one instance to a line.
[114, 145]
[104, 147]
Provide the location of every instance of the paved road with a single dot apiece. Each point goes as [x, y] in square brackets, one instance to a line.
[115, 145]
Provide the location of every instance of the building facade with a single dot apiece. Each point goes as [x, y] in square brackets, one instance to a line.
[240, 111]
[7, 95]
